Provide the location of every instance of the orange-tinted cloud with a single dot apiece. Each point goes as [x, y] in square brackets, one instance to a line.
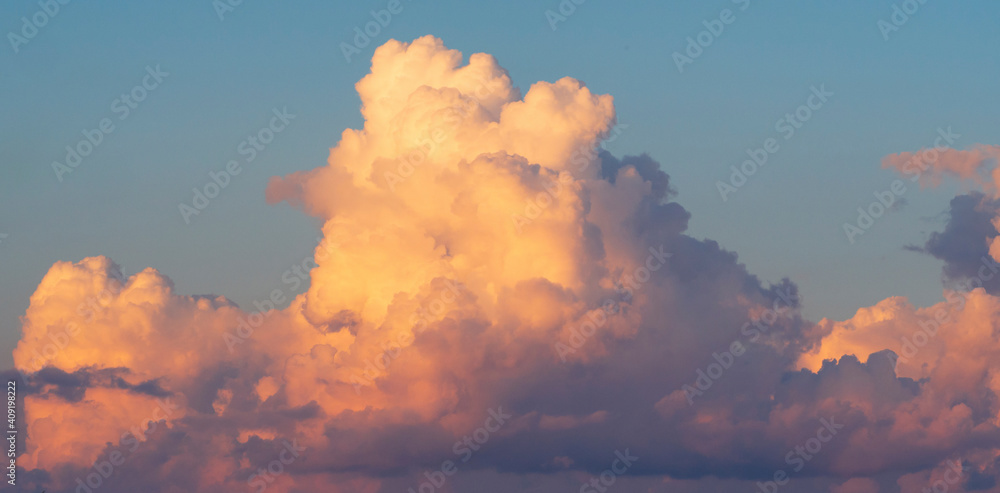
[933, 164]
[467, 232]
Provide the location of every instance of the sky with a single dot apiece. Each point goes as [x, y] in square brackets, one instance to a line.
[240, 156]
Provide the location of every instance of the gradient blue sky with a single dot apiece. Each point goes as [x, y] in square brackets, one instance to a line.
[940, 69]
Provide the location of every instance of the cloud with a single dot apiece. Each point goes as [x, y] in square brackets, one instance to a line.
[964, 244]
[467, 231]
[930, 166]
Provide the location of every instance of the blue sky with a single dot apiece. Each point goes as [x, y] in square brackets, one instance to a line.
[226, 77]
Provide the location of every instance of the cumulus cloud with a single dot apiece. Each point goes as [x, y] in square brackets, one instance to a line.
[930, 166]
[979, 166]
[964, 244]
[487, 274]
